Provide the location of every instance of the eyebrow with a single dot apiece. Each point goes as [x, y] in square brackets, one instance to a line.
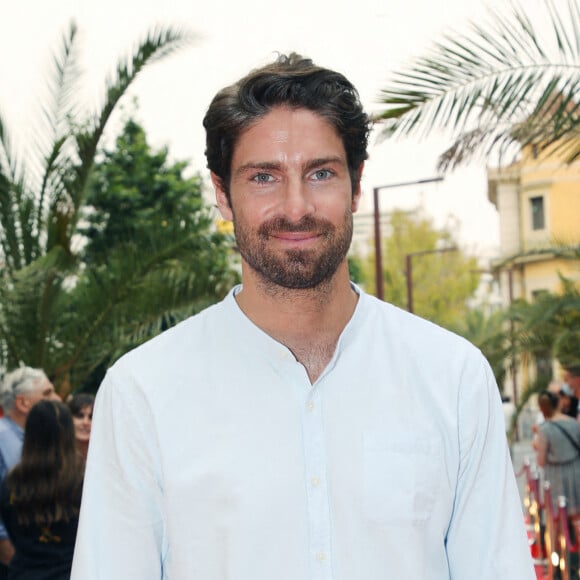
[274, 165]
[263, 165]
[313, 163]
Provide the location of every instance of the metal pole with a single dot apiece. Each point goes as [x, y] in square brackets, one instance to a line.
[380, 293]
[378, 247]
[513, 365]
[409, 274]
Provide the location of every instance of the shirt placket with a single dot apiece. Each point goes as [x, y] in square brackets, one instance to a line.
[320, 553]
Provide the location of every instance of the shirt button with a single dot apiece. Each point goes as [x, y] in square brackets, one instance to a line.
[310, 406]
[321, 556]
[315, 481]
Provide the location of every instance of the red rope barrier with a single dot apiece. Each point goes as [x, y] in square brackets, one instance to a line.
[557, 533]
[535, 490]
[548, 505]
[565, 528]
[525, 469]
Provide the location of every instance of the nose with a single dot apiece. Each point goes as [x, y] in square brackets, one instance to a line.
[297, 201]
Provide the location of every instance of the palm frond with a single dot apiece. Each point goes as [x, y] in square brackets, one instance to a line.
[546, 324]
[59, 108]
[8, 161]
[145, 287]
[157, 44]
[11, 193]
[499, 85]
[55, 311]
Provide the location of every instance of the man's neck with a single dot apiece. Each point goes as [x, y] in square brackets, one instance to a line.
[309, 322]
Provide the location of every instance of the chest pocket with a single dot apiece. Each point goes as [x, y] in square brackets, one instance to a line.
[401, 479]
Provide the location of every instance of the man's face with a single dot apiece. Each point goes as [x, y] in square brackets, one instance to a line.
[291, 199]
[43, 390]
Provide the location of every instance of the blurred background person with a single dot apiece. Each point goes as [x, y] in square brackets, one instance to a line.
[558, 453]
[19, 391]
[568, 403]
[571, 378]
[40, 497]
[81, 407]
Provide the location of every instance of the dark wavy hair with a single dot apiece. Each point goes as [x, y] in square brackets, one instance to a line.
[79, 401]
[46, 486]
[291, 81]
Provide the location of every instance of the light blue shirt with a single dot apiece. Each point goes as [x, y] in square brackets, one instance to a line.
[212, 456]
[11, 439]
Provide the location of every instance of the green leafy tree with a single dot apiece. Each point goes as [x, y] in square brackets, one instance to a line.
[355, 269]
[541, 330]
[134, 191]
[138, 201]
[496, 87]
[442, 282]
[55, 312]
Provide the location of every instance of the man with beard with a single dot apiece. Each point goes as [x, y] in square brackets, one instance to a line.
[299, 429]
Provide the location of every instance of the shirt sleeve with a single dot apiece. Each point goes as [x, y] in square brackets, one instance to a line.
[121, 527]
[486, 539]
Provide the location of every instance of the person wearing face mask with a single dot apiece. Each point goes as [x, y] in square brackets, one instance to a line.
[81, 408]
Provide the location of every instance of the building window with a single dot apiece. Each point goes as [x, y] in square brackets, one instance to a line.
[538, 217]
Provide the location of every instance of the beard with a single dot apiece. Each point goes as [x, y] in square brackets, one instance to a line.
[295, 269]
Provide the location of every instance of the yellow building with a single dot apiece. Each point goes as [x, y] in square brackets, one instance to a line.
[538, 201]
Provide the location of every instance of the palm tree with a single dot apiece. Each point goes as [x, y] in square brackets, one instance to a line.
[549, 327]
[55, 313]
[498, 87]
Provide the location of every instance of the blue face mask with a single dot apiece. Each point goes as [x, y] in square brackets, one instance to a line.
[566, 390]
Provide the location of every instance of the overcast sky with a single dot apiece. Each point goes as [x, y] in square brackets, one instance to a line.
[364, 39]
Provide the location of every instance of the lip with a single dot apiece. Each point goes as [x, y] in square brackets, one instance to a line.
[296, 238]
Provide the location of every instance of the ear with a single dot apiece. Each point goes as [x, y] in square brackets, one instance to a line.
[221, 198]
[356, 194]
[22, 404]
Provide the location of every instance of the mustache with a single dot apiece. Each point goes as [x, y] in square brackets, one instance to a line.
[305, 224]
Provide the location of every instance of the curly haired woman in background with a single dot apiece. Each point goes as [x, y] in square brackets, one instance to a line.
[40, 496]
